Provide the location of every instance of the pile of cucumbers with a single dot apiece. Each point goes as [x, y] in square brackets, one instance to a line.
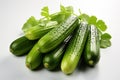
[61, 44]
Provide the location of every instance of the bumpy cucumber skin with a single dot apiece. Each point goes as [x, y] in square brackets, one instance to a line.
[34, 58]
[74, 49]
[52, 59]
[21, 46]
[57, 35]
[92, 48]
[37, 32]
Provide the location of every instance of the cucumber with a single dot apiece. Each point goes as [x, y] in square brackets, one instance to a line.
[34, 58]
[37, 31]
[57, 35]
[52, 60]
[21, 46]
[74, 49]
[92, 48]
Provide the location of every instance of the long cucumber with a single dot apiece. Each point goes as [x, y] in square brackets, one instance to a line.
[75, 48]
[92, 48]
[57, 35]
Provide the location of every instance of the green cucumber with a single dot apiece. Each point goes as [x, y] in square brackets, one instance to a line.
[92, 48]
[37, 31]
[74, 49]
[21, 46]
[52, 60]
[57, 35]
[34, 58]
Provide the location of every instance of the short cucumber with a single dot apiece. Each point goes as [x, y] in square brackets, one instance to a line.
[37, 32]
[57, 35]
[21, 46]
[74, 49]
[92, 48]
[34, 58]
[52, 60]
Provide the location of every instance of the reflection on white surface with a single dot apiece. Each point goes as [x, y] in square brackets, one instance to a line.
[13, 13]
[13, 68]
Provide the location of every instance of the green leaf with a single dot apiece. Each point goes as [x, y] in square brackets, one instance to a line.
[42, 22]
[106, 36]
[101, 25]
[84, 17]
[59, 17]
[32, 21]
[92, 20]
[105, 40]
[45, 12]
[105, 43]
[29, 23]
[51, 23]
[63, 14]
[66, 10]
[69, 9]
[62, 9]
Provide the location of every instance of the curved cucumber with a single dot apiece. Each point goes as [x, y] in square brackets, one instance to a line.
[74, 49]
[92, 48]
[57, 35]
[34, 58]
[21, 46]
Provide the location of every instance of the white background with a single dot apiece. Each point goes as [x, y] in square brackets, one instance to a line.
[13, 13]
